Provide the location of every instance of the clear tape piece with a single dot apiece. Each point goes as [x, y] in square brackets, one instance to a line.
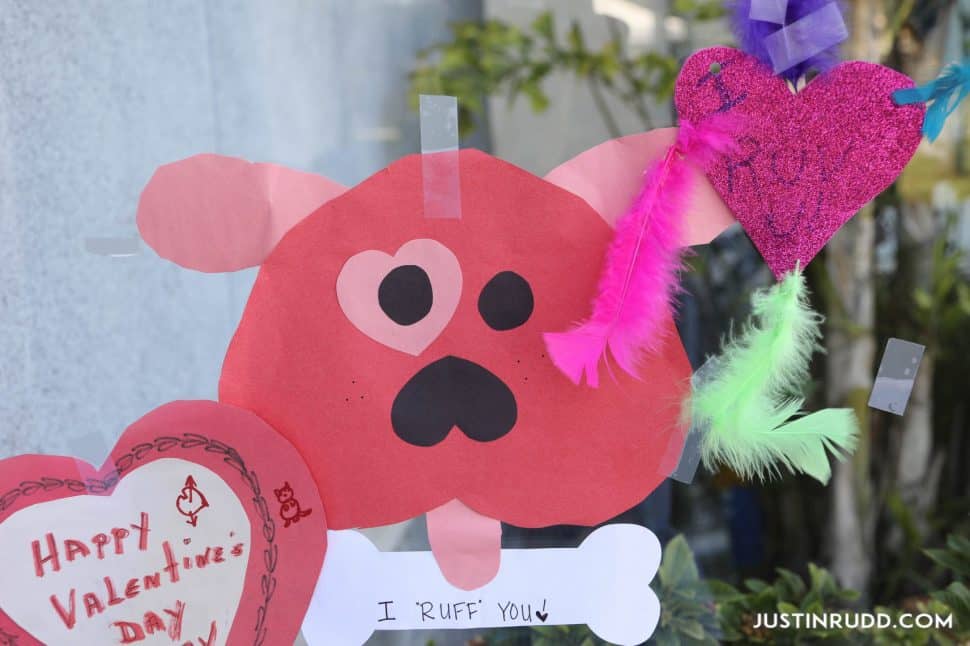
[690, 457]
[806, 37]
[897, 373]
[119, 247]
[439, 123]
[439, 156]
[769, 11]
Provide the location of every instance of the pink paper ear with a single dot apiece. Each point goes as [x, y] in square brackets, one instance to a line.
[610, 175]
[214, 213]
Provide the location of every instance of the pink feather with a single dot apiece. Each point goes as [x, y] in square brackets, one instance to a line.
[639, 277]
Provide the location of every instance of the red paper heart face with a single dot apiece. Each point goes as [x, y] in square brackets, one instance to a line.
[203, 527]
[806, 162]
[396, 419]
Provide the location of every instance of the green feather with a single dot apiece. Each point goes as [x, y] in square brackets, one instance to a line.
[753, 389]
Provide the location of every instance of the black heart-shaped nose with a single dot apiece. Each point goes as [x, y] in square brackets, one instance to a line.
[453, 392]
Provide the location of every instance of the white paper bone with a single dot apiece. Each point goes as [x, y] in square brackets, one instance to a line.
[604, 583]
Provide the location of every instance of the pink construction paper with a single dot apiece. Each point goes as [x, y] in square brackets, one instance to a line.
[610, 175]
[214, 213]
[362, 275]
[466, 545]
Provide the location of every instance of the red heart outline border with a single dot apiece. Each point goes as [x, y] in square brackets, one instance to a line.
[208, 435]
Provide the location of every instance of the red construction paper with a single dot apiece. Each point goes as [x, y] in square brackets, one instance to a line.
[205, 448]
[573, 455]
[215, 213]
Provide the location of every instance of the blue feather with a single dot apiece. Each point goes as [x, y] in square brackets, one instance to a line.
[942, 96]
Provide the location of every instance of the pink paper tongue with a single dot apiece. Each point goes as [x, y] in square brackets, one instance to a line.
[466, 545]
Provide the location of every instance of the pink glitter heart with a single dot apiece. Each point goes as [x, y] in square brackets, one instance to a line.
[806, 162]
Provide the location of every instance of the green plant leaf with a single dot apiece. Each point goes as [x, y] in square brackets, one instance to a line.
[959, 544]
[537, 98]
[723, 592]
[792, 584]
[755, 585]
[922, 299]
[821, 581]
[692, 629]
[951, 560]
[666, 638]
[575, 38]
[956, 597]
[789, 608]
[544, 26]
[677, 567]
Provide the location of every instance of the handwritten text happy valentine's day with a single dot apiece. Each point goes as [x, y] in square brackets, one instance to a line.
[52, 555]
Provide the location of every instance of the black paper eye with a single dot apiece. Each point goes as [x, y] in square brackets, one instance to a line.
[405, 294]
[506, 301]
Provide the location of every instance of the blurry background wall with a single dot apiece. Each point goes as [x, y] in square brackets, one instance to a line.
[94, 95]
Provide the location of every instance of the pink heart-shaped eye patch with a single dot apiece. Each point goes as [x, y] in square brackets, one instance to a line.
[805, 163]
[403, 301]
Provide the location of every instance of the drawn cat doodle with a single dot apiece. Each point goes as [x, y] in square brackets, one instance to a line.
[290, 510]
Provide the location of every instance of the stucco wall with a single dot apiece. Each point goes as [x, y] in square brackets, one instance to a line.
[94, 95]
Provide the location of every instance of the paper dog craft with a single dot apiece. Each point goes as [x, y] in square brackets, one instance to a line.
[403, 355]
